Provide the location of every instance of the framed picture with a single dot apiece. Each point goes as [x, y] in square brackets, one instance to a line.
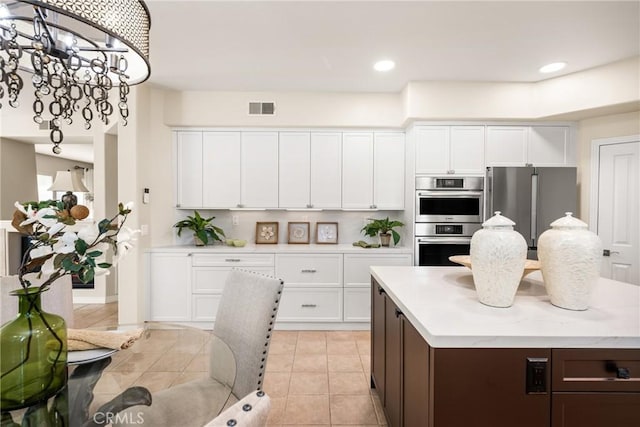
[327, 232]
[266, 232]
[298, 232]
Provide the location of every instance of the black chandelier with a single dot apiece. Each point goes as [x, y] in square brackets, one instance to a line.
[75, 52]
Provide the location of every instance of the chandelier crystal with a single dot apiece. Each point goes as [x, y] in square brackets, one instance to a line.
[75, 52]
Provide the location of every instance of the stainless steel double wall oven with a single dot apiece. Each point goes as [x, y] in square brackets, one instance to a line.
[448, 211]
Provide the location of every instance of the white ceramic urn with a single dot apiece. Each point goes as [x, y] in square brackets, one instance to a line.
[570, 259]
[498, 254]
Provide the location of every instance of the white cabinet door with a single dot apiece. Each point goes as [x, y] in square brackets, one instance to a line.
[326, 170]
[221, 169]
[506, 145]
[259, 167]
[388, 171]
[189, 169]
[466, 149]
[549, 146]
[170, 287]
[294, 152]
[357, 282]
[357, 170]
[432, 149]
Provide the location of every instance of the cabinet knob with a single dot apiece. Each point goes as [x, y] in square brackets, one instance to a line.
[309, 205]
[398, 312]
[308, 305]
[232, 259]
[240, 205]
[380, 290]
[308, 270]
[451, 171]
[621, 373]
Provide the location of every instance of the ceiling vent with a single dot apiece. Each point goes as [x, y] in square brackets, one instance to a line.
[262, 108]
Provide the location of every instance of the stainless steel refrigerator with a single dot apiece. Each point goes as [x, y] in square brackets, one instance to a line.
[531, 197]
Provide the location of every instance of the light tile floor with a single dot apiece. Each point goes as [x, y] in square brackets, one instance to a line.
[313, 377]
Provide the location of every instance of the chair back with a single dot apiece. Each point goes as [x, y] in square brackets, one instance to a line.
[57, 300]
[245, 319]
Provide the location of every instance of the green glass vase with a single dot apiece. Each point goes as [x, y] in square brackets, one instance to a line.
[33, 346]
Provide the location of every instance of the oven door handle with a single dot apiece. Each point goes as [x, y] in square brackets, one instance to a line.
[445, 241]
[455, 194]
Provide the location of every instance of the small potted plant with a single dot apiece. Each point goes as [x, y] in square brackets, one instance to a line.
[202, 228]
[383, 227]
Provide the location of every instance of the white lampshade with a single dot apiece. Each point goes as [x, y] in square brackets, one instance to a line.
[68, 181]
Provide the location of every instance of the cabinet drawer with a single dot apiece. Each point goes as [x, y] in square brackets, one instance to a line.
[595, 370]
[204, 307]
[356, 266]
[312, 270]
[231, 259]
[310, 305]
[212, 279]
[357, 304]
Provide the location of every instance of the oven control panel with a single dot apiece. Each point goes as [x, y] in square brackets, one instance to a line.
[428, 229]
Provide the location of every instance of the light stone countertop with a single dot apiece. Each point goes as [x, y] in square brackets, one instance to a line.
[441, 303]
[283, 248]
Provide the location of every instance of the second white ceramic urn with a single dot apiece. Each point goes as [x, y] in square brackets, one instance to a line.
[570, 259]
[498, 254]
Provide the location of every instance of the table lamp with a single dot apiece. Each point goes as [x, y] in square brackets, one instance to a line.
[68, 181]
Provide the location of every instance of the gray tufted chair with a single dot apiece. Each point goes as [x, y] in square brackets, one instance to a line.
[251, 411]
[242, 332]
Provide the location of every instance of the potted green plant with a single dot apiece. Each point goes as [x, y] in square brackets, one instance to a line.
[202, 228]
[383, 227]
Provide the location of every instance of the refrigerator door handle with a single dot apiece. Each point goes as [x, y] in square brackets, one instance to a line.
[534, 209]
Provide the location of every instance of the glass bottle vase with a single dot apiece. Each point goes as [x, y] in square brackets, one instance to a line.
[33, 346]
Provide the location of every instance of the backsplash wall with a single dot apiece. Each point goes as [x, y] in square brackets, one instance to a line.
[349, 224]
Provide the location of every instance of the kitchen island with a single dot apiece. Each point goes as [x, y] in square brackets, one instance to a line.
[441, 358]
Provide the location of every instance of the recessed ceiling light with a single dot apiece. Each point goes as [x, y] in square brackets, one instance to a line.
[550, 68]
[385, 65]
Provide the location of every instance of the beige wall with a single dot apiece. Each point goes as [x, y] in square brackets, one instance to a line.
[49, 165]
[593, 128]
[17, 175]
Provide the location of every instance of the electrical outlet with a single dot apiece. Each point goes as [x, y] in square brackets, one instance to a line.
[365, 221]
[235, 220]
[144, 229]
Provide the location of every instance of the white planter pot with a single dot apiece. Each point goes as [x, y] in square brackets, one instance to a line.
[570, 259]
[498, 254]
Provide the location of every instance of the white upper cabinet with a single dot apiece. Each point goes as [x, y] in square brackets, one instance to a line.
[294, 169]
[259, 170]
[357, 170]
[310, 170]
[449, 149]
[373, 170]
[529, 145]
[388, 171]
[189, 169]
[550, 146]
[221, 169]
[326, 170]
[466, 149]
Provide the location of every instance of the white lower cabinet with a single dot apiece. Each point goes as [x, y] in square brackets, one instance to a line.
[170, 293]
[318, 287]
[357, 282]
[312, 287]
[357, 305]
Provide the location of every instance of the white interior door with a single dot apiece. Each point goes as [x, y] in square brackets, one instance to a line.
[619, 210]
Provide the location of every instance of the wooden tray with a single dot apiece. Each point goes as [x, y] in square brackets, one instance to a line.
[530, 265]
